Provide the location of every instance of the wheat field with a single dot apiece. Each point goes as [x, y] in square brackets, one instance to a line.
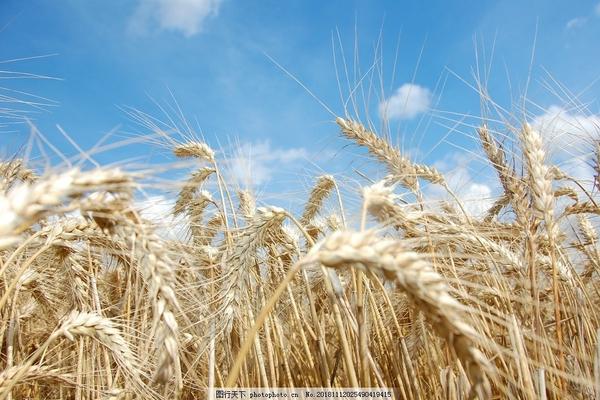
[98, 302]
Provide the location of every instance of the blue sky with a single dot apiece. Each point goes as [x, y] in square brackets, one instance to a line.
[211, 57]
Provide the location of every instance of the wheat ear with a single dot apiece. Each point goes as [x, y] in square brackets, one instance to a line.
[398, 165]
[320, 191]
[25, 204]
[425, 287]
[195, 150]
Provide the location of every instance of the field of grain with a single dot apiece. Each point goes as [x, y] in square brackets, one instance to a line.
[98, 302]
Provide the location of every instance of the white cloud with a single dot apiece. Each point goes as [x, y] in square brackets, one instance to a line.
[185, 16]
[256, 163]
[476, 197]
[577, 22]
[155, 208]
[159, 210]
[569, 137]
[407, 102]
[562, 128]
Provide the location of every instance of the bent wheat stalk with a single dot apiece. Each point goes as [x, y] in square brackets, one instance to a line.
[425, 287]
